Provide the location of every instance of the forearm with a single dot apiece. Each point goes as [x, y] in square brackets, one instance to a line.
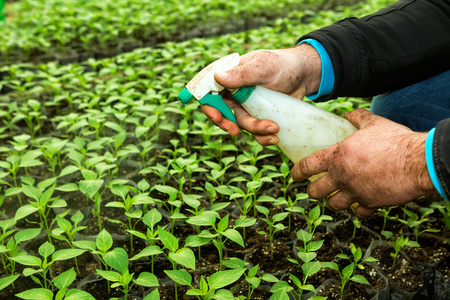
[397, 46]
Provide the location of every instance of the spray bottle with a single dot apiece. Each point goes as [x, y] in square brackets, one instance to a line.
[303, 128]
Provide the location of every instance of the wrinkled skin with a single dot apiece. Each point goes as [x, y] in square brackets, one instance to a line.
[382, 164]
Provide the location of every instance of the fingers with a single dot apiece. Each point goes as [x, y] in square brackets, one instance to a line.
[314, 164]
[264, 131]
[364, 212]
[360, 117]
[322, 187]
[217, 119]
[341, 201]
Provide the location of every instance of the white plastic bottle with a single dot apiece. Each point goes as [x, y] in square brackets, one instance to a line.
[303, 128]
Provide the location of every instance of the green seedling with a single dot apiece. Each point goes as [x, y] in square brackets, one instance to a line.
[176, 255]
[90, 186]
[281, 290]
[51, 150]
[193, 202]
[356, 257]
[62, 283]
[182, 166]
[7, 280]
[308, 269]
[291, 205]
[414, 222]
[347, 274]
[32, 115]
[160, 170]
[20, 159]
[66, 230]
[274, 225]
[254, 156]
[172, 205]
[308, 252]
[314, 218]
[398, 245]
[12, 248]
[43, 265]
[117, 260]
[129, 204]
[253, 281]
[211, 288]
[100, 247]
[218, 171]
[217, 148]
[150, 219]
[385, 212]
[356, 225]
[41, 200]
[222, 232]
[444, 208]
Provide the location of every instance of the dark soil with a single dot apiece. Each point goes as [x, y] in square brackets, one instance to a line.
[167, 291]
[375, 223]
[444, 267]
[20, 285]
[262, 257]
[99, 290]
[351, 291]
[86, 264]
[431, 251]
[362, 239]
[405, 274]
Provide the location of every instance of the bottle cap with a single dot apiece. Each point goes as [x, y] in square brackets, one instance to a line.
[242, 94]
[185, 96]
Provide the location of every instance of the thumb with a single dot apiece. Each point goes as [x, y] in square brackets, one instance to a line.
[235, 78]
[360, 117]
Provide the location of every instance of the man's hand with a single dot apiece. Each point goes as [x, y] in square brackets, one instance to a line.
[382, 164]
[294, 71]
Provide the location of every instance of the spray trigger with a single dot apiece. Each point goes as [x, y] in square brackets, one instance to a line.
[201, 86]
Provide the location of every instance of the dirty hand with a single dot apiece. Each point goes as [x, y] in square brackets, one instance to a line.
[382, 164]
[294, 71]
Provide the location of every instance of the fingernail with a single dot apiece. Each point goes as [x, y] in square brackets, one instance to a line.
[224, 75]
[271, 129]
[272, 141]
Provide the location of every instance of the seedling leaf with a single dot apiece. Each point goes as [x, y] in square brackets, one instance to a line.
[5, 281]
[75, 294]
[65, 279]
[65, 254]
[117, 259]
[147, 279]
[38, 293]
[168, 239]
[184, 257]
[104, 241]
[180, 276]
[234, 235]
[223, 278]
[359, 279]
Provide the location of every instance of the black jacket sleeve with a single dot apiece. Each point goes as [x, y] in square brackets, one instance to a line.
[402, 44]
[397, 46]
[441, 154]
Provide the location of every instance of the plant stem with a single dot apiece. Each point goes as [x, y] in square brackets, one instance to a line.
[131, 236]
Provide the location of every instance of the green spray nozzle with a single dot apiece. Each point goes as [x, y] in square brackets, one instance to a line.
[204, 88]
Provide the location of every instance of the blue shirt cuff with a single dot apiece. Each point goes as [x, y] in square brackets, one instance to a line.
[430, 163]
[327, 79]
